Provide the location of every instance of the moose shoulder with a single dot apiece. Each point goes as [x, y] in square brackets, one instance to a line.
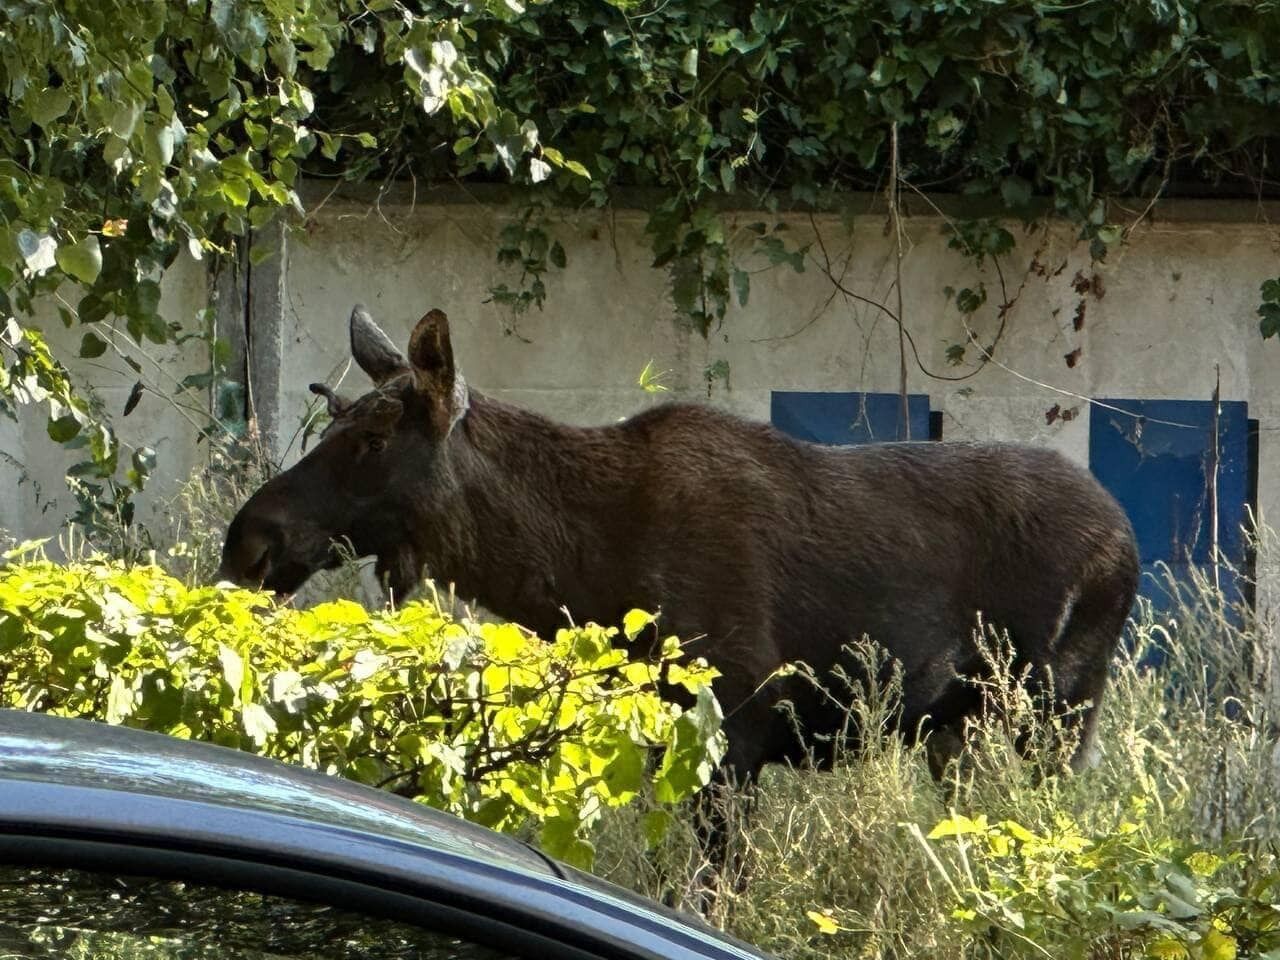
[763, 549]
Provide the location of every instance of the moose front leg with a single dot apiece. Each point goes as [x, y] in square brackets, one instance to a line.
[756, 733]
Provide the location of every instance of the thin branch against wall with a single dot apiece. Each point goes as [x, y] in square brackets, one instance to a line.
[826, 269]
[838, 284]
[1159, 192]
[1063, 391]
[905, 338]
[986, 353]
[1007, 303]
[895, 222]
[197, 418]
[1215, 463]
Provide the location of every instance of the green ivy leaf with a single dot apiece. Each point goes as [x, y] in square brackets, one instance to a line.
[237, 191]
[124, 120]
[64, 428]
[82, 260]
[92, 345]
[560, 838]
[1270, 323]
[969, 301]
[49, 105]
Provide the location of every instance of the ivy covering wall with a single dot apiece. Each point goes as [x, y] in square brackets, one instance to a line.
[131, 131]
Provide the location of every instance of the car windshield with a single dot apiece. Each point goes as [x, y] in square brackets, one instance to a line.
[62, 913]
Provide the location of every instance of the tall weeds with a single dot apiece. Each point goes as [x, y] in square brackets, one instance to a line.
[1186, 766]
[877, 859]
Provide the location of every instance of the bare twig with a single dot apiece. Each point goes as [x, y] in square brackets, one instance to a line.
[895, 221]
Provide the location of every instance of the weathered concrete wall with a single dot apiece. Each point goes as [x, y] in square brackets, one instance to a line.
[1175, 303]
[34, 499]
[1179, 300]
[578, 359]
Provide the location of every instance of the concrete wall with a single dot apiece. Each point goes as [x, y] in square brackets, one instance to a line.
[1177, 301]
[1173, 308]
[34, 499]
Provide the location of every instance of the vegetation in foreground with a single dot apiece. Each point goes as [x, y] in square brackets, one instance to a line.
[1165, 847]
[483, 720]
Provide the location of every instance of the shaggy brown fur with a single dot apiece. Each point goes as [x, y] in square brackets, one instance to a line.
[767, 549]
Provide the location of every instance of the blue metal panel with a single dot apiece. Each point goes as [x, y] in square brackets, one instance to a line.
[844, 418]
[1154, 458]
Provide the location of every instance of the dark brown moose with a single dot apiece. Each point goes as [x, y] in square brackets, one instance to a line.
[765, 549]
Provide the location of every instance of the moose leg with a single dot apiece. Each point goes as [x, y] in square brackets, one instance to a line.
[944, 746]
[399, 571]
[719, 812]
[1086, 646]
[723, 808]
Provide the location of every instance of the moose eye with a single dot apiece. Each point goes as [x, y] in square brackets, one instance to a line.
[377, 444]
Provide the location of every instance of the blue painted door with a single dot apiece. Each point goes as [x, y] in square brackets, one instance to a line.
[1156, 458]
[844, 418]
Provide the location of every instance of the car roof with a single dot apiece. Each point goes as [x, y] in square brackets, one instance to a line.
[53, 769]
[86, 753]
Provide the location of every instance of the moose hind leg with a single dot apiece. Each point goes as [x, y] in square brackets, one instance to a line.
[1085, 647]
[724, 807]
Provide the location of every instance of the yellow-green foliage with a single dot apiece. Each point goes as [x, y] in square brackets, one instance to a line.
[483, 720]
[1128, 891]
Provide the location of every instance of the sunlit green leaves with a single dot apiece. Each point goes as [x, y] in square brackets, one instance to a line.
[33, 376]
[135, 130]
[486, 721]
[1139, 892]
[82, 260]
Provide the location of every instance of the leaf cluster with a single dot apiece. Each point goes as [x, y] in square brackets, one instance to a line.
[483, 720]
[1127, 891]
[1042, 107]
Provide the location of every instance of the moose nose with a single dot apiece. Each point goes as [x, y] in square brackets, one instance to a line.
[253, 544]
[249, 568]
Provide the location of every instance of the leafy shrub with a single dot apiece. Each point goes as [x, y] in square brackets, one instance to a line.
[483, 720]
[1128, 891]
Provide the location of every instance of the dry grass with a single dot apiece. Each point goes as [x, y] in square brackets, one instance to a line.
[1192, 741]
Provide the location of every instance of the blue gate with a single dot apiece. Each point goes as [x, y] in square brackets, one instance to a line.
[1156, 458]
[844, 418]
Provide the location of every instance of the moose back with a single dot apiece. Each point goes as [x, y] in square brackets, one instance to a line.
[760, 549]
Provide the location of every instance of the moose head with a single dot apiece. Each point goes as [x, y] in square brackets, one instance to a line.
[381, 457]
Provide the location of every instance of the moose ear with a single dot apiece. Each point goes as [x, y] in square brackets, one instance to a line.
[373, 349]
[432, 355]
[438, 382]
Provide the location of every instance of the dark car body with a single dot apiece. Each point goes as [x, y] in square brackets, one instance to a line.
[110, 799]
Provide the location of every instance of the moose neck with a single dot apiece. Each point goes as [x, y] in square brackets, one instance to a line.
[535, 515]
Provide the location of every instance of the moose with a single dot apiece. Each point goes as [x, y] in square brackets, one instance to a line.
[759, 549]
